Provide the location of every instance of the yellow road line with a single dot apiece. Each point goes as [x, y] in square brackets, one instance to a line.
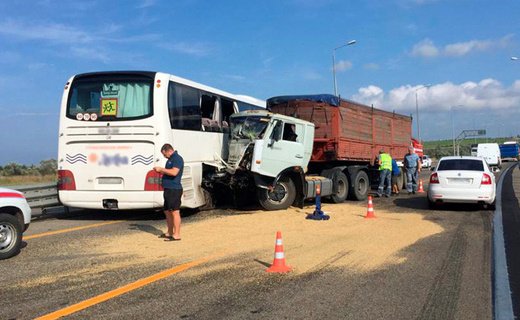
[50, 233]
[122, 290]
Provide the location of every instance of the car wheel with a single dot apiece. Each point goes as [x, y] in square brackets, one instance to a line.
[10, 236]
[431, 204]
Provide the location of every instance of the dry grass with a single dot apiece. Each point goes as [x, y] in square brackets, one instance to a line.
[25, 180]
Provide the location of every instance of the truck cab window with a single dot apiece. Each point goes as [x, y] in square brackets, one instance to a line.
[289, 132]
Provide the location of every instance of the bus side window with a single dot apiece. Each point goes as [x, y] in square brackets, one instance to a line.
[227, 109]
[183, 107]
[207, 106]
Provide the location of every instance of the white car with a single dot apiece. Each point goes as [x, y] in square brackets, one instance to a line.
[426, 161]
[463, 179]
[15, 216]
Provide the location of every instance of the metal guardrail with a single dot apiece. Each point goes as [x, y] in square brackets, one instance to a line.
[40, 195]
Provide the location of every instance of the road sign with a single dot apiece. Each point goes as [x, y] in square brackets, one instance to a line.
[474, 133]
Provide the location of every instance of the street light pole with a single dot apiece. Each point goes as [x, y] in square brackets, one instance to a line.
[351, 42]
[453, 126]
[417, 109]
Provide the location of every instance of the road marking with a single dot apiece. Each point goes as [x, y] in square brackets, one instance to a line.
[122, 290]
[50, 233]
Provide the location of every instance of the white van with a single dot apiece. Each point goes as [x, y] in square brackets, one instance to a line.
[491, 153]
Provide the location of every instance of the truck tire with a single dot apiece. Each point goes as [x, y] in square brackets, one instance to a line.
[10, 236]
[359, 185]
[341, 187]
[280, 198]
[209, 201]
[400, 180]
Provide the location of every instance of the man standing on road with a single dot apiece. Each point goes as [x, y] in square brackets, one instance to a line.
[385, 173]
[412, 165]
[171, 182]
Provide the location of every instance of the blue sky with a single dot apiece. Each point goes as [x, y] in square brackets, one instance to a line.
[267, 48]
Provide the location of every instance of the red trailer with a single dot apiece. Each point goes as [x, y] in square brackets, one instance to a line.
[348, 136]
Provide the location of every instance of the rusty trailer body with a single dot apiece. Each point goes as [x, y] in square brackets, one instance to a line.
[347, 130]
[348, 137]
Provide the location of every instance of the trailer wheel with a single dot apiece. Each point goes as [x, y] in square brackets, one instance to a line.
[359, 185]
[400, 180]
[281, 197]
[10, 236]
[341, 187]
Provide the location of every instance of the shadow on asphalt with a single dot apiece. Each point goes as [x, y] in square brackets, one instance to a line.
[421, 203]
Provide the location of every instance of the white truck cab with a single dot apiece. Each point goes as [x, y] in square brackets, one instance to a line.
[15, 216]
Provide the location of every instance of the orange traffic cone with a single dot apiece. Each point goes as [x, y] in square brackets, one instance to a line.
[279, 257]
[421, 190]
[370, 209]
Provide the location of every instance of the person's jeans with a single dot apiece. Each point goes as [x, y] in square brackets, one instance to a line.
[411, 176]
[385, 176]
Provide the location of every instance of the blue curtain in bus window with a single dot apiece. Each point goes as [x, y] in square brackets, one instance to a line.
[134, 100]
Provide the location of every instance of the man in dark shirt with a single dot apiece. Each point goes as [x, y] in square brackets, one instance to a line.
[171, 182]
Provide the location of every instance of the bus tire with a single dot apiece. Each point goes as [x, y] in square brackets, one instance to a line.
[281, 197]
[360, 185]
[341, 186]
[10, 236]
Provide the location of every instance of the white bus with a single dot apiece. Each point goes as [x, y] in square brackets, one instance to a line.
[113, 125]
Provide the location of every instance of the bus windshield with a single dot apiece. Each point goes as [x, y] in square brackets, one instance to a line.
[110, 99]
[250, 127]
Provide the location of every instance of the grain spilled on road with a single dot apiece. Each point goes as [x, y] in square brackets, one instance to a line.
[347, 240]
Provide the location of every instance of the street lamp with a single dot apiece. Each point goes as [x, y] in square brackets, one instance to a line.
[351, 42]
[453, 126]
[417, 109]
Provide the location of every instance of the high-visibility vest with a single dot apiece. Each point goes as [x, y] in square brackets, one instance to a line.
[386, 162]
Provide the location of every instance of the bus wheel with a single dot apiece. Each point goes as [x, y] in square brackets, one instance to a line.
[281, 197]
[341, 187]
[359, 185]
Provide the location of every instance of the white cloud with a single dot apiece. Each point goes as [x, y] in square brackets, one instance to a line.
[146, 4]
[53, 32]
[427, 49]
[371, 66]
[343, 65]
[485, 95]
[195, 49]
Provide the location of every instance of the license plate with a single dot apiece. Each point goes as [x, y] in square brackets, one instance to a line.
[110, 180]
[460, 181]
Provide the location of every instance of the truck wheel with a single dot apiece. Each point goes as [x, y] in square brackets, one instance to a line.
[10, 236]
[281, 197]
[405, 179]
[341, 187]
[400, 180]
[359, 185]
[209, 202]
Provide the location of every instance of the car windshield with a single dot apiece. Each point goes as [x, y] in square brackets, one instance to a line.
[249, 127]
[461, 164]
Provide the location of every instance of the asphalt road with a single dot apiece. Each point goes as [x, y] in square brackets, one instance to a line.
[511, 223]
[443, 276]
